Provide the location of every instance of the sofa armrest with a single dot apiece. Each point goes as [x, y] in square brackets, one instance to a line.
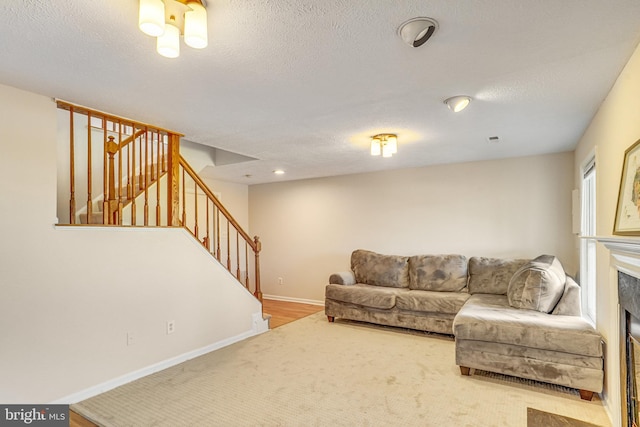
[343, 278]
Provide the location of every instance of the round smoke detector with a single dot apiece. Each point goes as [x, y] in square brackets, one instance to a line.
[415, 32]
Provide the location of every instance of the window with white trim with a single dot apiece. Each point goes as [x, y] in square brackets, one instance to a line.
[587, 241]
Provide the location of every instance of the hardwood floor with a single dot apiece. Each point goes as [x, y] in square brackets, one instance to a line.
[76, 420]
[282, 312]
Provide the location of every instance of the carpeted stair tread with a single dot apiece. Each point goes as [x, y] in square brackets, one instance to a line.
[137, 190]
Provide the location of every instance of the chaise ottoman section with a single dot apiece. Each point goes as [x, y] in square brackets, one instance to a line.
[493, 336]
[490, 318]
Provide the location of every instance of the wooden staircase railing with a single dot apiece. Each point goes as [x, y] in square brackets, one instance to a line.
[145, 182]
[210, 222]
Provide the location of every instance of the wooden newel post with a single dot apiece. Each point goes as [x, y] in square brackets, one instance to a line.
[258, 292]
[173, 181]
[112, 149]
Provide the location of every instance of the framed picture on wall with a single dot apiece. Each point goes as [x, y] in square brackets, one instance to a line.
[627, 222]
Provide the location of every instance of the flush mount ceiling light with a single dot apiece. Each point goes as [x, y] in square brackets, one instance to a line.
[168, 19]
[385, 144]
[458, 103]
[415, 32]
[278, 172]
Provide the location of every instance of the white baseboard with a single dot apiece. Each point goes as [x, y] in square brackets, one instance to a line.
[289, 299]
[124, 379]
[260, 324]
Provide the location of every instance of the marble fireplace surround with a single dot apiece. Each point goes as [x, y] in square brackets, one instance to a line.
[625, 258]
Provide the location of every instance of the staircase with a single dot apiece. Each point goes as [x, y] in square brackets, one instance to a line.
[131, 174]
[127, 193]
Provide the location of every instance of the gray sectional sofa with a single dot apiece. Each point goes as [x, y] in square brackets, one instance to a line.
[515, 317]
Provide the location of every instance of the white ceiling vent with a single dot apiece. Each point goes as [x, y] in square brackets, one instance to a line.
[415, 32]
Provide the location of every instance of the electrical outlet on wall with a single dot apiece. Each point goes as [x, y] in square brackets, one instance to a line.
[171, 326]
[280, 281]
[131, 338]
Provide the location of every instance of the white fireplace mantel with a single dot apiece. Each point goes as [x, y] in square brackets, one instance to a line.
[625, 251]
[625, 258]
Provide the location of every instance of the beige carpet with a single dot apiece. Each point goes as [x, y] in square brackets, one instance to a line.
[314, 373]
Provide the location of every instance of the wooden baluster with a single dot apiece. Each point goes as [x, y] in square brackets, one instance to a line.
[207, 239]
[238, 255]
[72, 172]
[106, 217]
[184, 200]
[258, 245]
[89, 201]
[228, 247]
[113, 205]
[129, 145]
[164, 146]
[195, 197]
[152, 172]
[158, 183]
[140, 166]
[246, 264]
[146, 178]
[218, 233]
[132, 147]
[120, 204]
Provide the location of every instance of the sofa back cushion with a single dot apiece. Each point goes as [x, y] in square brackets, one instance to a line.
[380, 270]
[442, 273]
[538, 285]
[492, 275]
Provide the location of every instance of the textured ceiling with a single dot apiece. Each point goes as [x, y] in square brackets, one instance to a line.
[301, 85]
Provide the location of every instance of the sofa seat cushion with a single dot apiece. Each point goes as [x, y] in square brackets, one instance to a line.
[492, 275]
[538, 285]
[431, 302]
[446, 273]
[364, 295]
[380, 270]
[490, 318]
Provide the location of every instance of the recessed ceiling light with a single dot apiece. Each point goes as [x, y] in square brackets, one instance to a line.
[457, 103]
[415, 32]
[278, 172]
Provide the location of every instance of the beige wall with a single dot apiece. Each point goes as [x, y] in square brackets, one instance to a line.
[615, 127]
[70, 295]
[234, 197]
[503, 208]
